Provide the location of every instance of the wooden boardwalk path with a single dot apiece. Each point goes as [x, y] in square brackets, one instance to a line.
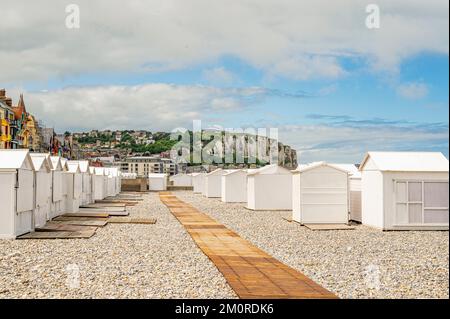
[251, 272]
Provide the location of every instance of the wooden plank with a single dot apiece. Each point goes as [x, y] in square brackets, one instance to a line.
[131, 220]
[251, 272]
[58, 235]
[125, 198]
[109, 208]
[68, 218]
[93, 214]
[103, 205]
[57, 226]
[88, 212]
[92, 222]
[126, 203]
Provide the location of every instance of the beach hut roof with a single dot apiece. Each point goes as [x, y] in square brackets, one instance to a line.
[56, 162]
[84, 165]
[41, 161]
[73, 167]
[271, 169]
[64, 163]
[15, 159]
[407, 161]
[217, 171]
[352, 169]
[112, 171]
[307, 167]
[99, 171]
[234, 171]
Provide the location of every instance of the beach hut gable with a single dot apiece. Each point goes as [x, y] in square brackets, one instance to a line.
[56, 163]
[218, 171]
[73, 167]
[15, 159]
[64, 164]
[305, 168]
[40, 163]
[271, 170]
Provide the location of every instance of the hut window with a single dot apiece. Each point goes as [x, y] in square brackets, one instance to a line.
[421, 202]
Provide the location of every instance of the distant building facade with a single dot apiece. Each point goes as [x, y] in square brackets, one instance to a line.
[18, 128]
[144, 165]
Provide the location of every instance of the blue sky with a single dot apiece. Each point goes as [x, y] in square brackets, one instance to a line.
[333, 88]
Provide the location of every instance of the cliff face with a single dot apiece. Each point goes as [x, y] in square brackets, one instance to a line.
[248, 147]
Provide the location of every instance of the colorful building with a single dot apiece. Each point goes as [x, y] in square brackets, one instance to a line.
[8, 125]
[18, 128]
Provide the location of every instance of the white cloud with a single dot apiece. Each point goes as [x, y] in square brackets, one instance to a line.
[304, 68]
[163, 107]
[289, 38]
[150, 106]
[413, 90]
[219, 75]
[327, 90]
[349, 143]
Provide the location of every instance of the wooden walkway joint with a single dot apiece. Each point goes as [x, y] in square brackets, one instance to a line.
[251, 272]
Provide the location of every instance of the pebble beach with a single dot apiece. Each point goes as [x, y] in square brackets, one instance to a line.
[359, 263]
[162, 261]
[119, 261]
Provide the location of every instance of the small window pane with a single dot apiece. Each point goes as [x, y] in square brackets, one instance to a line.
[436, 194]
[401, 192]
[436, 216]
[402, 214]
[415, 192]
[415, 213]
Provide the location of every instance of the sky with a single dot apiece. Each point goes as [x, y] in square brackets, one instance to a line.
[333, 87]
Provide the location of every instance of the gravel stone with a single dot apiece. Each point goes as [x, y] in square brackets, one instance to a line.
[119, 261]
[360, 263]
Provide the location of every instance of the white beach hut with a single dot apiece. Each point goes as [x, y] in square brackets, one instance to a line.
[100, 183]
[405, 190]
[234, 186]
[16, 193]
[110, 182]
[269, 188]
[198, 182]
[74, 184]
[320, 194]
[354, 190]
[157, 182]
[129, 175]
[43, 187]
[119, 181]
[86, 182]
[182, 180]
[92, 176]
[213, 183]
[114, 175]
[59, 192]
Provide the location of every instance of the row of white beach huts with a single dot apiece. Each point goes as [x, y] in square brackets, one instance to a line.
[36, 187]
[388, 191]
